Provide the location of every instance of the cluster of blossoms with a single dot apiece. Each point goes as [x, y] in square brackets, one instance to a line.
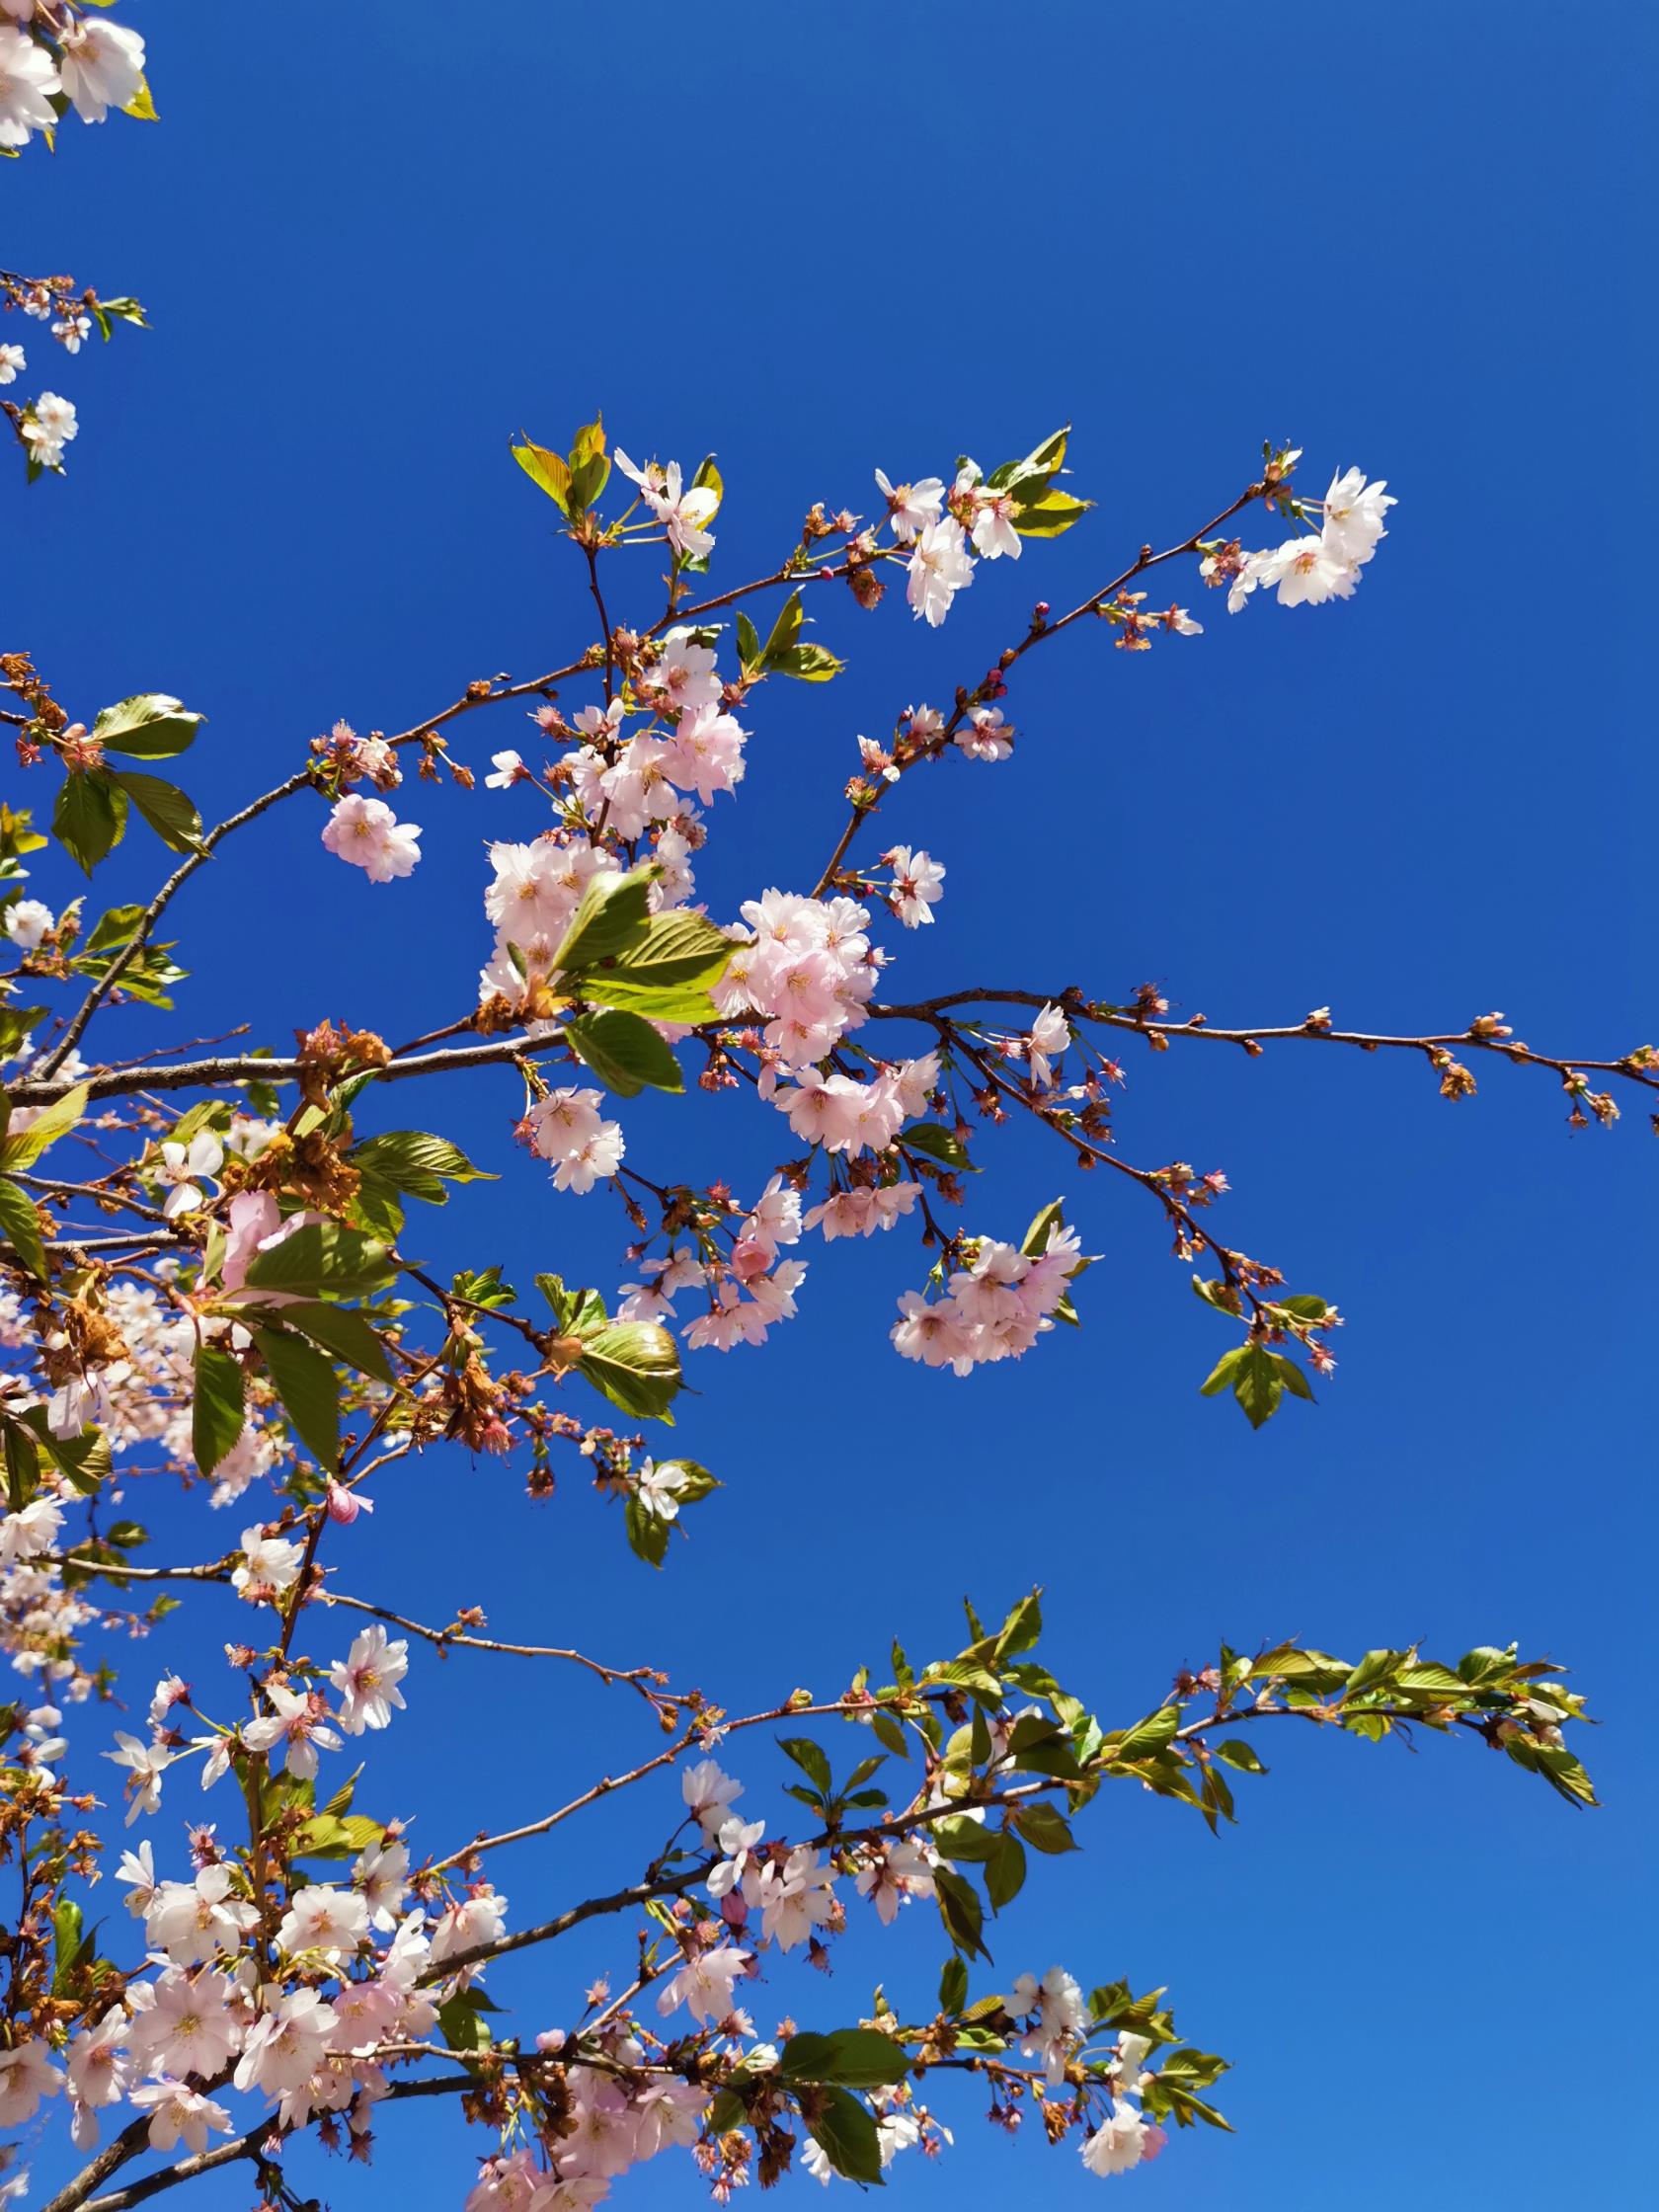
[47, 424]
[127, 1370]
[1306, 571]
[47, 48]
[367, 833]
[994, 1308]
[566, 1127]
[806, 968]
[748, 1289]
[219, 2007]
[946, 529]
[618, 2116]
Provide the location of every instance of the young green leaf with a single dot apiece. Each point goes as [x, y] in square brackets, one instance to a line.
[624, 1052]
[310, 1393]
[609, 918]
[848, 2136]
[23, 1148]
[647, 1534]
[20, 1225]
[323, 1256]
[167, 810]
[150, 727]
[938, 1144]
[217, 1407]
[89, 818]
[344, 1333]
[854, 2058]
[547, 469]
[416, 1163]
[810, 1758]
[1005, 1869]
[636, 1365]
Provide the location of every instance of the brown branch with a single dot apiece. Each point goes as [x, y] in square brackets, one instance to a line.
[1631, 1067]
[444, 1638]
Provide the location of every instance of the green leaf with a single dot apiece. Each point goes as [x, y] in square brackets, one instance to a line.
[345, 1334]
[547, 469]
[647, 1535]
[167, 810]
[959, 1908]
[590, 466]
[953, 1984]
[416, 1164]
[1258, 1386]
[810, 1758]
[847, 2135]
[1293, 1378]
[808, 664]
[309, 1391]
[1044, 1828]
[748, 643]
[113, 930]
[576, 1312]
[965, 1841]
[1036, 1239]
[484, 1287]
[1005, 1869]
[612, 911]
[461, 2020]
[855, 2058]
[150, 727]
[636, 1365]
[1149, 1735]
[697, 1483]
[1029, 479]
[23, 1148]
[938, 1144]
[20, 1225]
[680, 955]
[89, 818]
[22, 1464]
[1050, 514]
[85, 1461]
[614, 987]
[786, 630]
[70, 1947]
[1023, 1627]
[1239, 1755]
[1374, 1669]
[217, 1407]
[624, 1052]
[323, 1255]
[15, 1024]
[890, 1732]
[1222, 1373]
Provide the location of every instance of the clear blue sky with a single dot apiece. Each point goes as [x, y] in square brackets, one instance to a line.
[373, 244]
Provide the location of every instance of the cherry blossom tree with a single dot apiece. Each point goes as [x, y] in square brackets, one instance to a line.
[207, 1282]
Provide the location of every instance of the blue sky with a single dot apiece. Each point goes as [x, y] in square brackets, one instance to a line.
[818, 241]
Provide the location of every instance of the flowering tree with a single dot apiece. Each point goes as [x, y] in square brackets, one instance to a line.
[205, 1282]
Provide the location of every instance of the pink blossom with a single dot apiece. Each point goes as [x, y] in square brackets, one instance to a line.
[367, 833]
